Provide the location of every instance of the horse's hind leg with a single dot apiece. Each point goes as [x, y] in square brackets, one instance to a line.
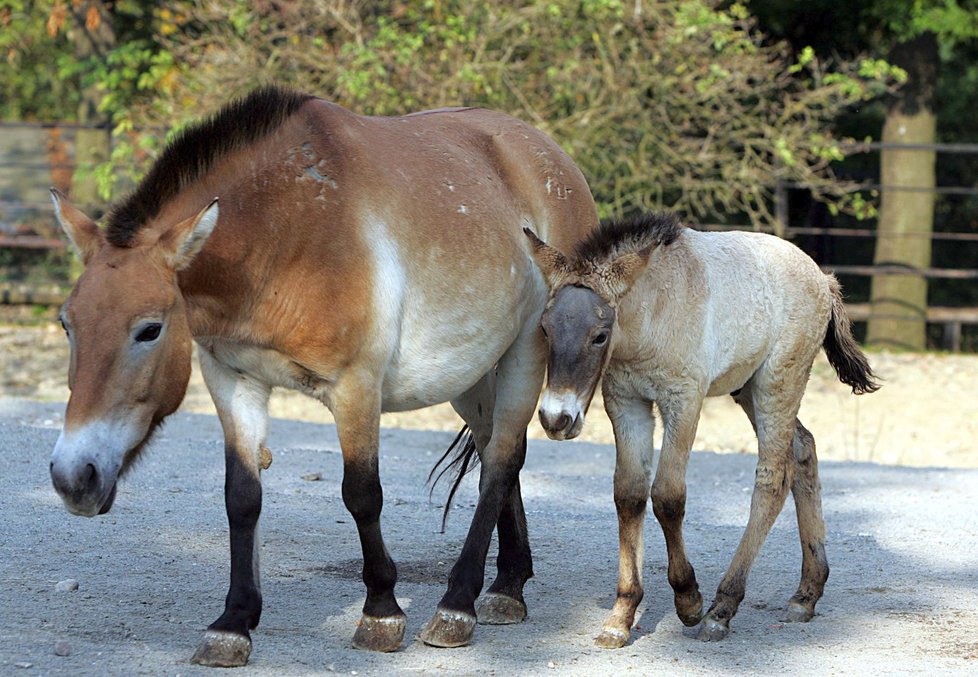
[633, 424]
[503, 603]
[519, 377]
[242, 405]
[771, 400]
[807, 493]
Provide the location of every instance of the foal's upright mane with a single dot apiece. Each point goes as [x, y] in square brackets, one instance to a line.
[195, 151]
[620, 236]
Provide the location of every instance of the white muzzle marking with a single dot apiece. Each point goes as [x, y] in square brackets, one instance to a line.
[561, 414]
[86, 462]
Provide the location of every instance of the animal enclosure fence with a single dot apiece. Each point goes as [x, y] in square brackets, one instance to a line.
[34, 156]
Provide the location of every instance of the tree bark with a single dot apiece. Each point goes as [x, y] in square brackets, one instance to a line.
[906, 218]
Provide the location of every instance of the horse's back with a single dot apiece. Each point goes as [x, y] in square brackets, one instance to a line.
[435, 204]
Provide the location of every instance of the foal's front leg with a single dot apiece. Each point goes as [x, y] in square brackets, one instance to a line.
[680, 417]
[356, 408]
[633, 424]
[242, 405]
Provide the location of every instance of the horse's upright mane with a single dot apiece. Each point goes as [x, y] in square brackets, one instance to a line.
[195, 150]
[615, 237]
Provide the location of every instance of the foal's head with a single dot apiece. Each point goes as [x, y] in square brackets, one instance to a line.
[581, 317]
[130, 350]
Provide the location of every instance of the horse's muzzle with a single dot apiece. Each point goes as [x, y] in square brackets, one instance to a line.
[83, 488]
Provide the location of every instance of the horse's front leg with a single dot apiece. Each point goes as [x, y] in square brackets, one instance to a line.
[242, 405]
[519, 378]
[356, 408]
[633, 425]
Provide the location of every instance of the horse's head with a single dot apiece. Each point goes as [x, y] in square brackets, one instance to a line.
[130, 351]
[579, 322]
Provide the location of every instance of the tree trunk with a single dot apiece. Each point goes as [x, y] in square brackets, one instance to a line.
[906, 218]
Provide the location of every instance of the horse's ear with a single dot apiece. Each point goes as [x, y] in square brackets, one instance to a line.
[627, 268]
[549, 259]
[84, 235]
[184, 241]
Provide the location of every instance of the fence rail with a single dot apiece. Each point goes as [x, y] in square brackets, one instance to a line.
[952, 319]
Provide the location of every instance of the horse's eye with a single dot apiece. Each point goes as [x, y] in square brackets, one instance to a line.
[600, 339]
[63, 325]
[150, 332]
[544, 330]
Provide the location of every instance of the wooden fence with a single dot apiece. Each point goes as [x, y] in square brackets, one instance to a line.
[952, 320]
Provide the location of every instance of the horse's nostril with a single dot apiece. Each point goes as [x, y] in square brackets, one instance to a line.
[90, 476]
[563, 422]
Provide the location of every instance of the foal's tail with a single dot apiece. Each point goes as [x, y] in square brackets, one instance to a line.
[461, 463]
[844, 354]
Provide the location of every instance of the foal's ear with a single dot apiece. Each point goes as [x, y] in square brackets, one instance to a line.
[184, 241]
[549, 259]
[627, 268]
[85, 237]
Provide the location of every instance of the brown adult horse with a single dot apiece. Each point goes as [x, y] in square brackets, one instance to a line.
[376, 264]
[662, 314]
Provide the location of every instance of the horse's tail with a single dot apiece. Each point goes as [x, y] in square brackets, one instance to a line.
[463, 460]
[844, 354]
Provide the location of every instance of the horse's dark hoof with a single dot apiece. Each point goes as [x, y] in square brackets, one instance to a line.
[611, 638]
[798, 613]
[380, 634]
[712, 631]
[689, 608]
[449, 629]
[498, 609]
[220, 649]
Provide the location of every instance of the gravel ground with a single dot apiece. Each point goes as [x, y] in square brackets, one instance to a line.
[924, 416]
[151, 574]
[902, 541]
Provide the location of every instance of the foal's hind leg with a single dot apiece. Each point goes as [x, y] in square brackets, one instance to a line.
[774, 399]
[503, 603]
[807, 493]
[242, 405]
[633, 424]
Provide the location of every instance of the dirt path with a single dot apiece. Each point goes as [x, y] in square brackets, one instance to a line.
[924, 416]
[902, 541]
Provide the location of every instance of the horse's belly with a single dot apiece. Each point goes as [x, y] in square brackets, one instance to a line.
[435, 364]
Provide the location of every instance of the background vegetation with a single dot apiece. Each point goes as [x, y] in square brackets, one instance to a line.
[696, 105]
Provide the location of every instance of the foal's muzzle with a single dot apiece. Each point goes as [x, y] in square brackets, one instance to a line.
[561, 414]
[562, 426]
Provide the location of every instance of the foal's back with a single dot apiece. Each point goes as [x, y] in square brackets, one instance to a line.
[712, 306]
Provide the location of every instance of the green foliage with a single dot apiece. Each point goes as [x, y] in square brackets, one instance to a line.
[663, 103]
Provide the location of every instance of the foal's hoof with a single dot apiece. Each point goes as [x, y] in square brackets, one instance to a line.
[449, 629]
[712, 631]
[611, 638]
[498, 609]
[689, 608]
[379, 633]
[220, 649]
[798, 613]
